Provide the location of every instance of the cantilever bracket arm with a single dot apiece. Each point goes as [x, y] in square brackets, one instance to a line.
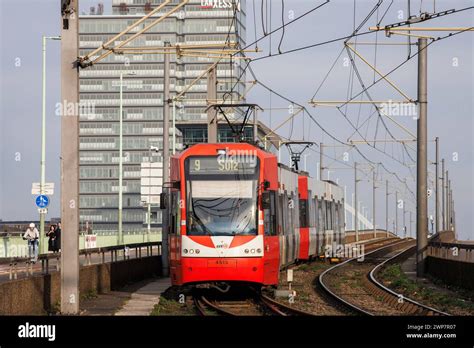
[86, 61]
[408, 99]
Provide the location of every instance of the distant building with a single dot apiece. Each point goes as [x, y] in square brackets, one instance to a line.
[143, 101]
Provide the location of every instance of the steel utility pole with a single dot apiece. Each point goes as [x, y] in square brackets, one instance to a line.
[453, 214]
[166, 164]
[422, 159]
[373, 203]
[255, 126]
[70, 160]
[404, 221]
[396, 213]
[356, 211]
[120, 240]
[450, 212]
[411, 221]
[437, 229]
[386, 206]
[446, 187]
[211, 112]
[443, 210]
[321, 168]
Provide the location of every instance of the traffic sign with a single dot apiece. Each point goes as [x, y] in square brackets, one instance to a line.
[42, 201]
[48, 188]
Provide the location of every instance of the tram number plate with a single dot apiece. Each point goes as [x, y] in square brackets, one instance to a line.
[222, 263]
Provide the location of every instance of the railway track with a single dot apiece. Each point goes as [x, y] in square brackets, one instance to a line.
[325, 304]
[328, 305]
[353, 284]
[257, 305]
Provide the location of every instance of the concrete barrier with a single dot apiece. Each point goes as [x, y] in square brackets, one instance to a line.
[451, 272]
[40, 295]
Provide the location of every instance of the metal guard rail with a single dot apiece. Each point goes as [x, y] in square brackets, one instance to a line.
[87, 253]
[456, 251]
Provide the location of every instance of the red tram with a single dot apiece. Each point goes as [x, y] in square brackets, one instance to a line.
[236, 215]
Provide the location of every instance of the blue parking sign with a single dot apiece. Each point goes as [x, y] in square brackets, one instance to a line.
[42, 201]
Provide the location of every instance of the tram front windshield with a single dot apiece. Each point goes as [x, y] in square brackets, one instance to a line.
[221, 196]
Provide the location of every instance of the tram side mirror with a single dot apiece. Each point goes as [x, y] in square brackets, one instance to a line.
[266, 185]
[266, 200]
[162, 200]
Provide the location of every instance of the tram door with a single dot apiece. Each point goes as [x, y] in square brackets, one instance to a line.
[271, 239]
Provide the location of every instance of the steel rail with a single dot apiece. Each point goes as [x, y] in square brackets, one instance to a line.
[341, 300]
[417, 305]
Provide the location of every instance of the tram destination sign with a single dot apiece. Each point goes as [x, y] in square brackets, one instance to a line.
[222, 165]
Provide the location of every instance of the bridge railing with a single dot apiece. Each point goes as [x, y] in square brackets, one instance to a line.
[452, 251]
[367, 234]
[12, 243]
[102, 255]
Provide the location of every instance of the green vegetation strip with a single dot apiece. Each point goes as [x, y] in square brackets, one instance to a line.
[394, 277]
[174, 302]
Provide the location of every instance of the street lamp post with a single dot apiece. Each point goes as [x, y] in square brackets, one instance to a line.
[42, 249]
[154, 149]
[120, 209]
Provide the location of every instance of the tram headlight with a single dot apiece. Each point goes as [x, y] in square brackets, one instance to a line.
[246, 251]
[185, 251]
[191, 251]
[252, 251]
[259, 251]
[197, 251]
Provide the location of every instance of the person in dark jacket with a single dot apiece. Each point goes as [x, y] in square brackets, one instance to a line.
[57, 240]
[51, 238]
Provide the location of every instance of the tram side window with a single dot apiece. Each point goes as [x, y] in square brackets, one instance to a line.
[322, 225]
[283, 209]
[324, 216]
[328, 215]
[342, 217]
[312, 212]
[303, 213]
[280, 214]
[269, 213]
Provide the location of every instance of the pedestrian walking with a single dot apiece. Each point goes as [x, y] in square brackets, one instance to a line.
[32, 235]
[51, 238]
[57, 240]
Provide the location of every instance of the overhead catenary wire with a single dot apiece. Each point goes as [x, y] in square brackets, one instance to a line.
[248, 67]
[283, 24]
[324, 130]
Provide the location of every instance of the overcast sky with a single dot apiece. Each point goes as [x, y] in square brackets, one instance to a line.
[295, 75]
